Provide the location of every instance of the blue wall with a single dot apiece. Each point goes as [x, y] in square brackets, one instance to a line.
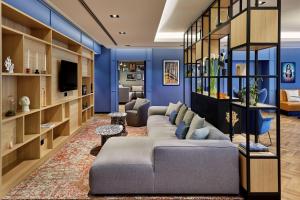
[291, 55]
[162, 95]
[155, 91]
[39, 10]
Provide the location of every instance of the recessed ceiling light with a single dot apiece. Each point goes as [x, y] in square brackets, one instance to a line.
[261, 3]
[127, 45]
[122, 33]
[114, 16]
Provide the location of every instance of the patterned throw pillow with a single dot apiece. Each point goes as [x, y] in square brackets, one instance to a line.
[181, 130]
[172, 117]
[200, 134]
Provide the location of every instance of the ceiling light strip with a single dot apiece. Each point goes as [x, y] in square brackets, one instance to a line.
[97, 20]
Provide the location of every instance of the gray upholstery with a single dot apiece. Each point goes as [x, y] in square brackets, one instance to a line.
[196, 167]
[137, 117]
[162, 164]
[157, 110]
[124, 94]
[123, 166]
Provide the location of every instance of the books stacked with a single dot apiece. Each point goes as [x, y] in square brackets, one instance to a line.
[48, 125]
[254, 147]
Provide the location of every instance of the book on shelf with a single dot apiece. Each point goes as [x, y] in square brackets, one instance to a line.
[48, 125]
[254, 147]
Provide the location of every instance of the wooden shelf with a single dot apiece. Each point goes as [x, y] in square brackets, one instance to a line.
[87, 108]
[55, 124]
[259, 106]
[59, 140]
[19, 114]
[27, 139]
[65, 49]
[24, 74]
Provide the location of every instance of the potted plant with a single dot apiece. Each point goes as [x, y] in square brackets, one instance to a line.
[253, 93]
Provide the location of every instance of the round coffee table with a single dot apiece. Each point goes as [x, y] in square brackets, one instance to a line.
[120, 119]
[108, 131]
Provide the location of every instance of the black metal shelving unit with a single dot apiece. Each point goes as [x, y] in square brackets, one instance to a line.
[238, 21]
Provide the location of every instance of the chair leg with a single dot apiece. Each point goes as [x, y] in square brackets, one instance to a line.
[270, 138]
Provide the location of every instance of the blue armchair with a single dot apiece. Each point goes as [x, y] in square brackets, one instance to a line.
[264, 125]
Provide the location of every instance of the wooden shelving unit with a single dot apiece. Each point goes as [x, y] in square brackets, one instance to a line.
[246, 27]
[32, 44]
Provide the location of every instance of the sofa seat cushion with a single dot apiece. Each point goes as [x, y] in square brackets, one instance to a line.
[290, 106]
[123, 166]
[164, 132]
[158, 121]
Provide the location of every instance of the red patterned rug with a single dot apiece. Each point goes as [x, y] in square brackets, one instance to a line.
[65, 174]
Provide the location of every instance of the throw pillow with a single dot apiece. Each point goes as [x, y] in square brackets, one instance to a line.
[181, 130]
[290, 94]
[181, 114]
[137, 88]
[200, 134]
[197, 123]
[188, 117]
[139, 102]
[172, 117]
[173, 107]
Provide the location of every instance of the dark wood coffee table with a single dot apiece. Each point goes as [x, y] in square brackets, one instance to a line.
[120, 119]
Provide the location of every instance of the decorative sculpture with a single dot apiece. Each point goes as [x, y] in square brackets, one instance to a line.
[25, 102]
[9, 66]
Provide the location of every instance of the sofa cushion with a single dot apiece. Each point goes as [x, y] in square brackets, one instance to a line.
[216, 134]
[200, 134]
[197, 122]
[291, 95]
[181, 114]
[173, 107]
[158, 121]
[181, 130]
[139, 102]
[127, 160]
[137, 88]
[188, 117]
[172, 117]
[164, 132]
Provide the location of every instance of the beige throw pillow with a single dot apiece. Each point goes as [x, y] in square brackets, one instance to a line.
[173, 107]
[180, 114]
[197, 123]
[188, 117]
[139, 102]
[137, 88]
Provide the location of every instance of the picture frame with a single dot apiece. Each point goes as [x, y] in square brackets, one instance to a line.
[171, 73]
[131, 77]
[288, 72]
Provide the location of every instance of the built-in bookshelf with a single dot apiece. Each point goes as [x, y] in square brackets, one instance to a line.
[28, 138]
[247, 28]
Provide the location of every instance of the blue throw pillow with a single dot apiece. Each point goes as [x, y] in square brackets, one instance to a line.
[200, 134]
[181, 130]
[172, 117]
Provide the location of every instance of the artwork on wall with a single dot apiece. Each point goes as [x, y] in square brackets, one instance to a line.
[131, 77]
[132, 67]
[288, 72]
[240, 69]
[139, 76]
[171, 72]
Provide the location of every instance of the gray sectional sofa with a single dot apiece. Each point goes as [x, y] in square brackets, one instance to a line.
[162, 164]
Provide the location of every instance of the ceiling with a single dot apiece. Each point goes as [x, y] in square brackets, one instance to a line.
[150, 23]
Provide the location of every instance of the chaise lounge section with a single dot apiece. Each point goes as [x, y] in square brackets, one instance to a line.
[162, 164]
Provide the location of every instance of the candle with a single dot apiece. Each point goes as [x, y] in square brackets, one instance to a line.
[37, 60]
[45, 66]
[28, 58]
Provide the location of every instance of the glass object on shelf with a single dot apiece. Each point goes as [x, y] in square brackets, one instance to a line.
[12, 106]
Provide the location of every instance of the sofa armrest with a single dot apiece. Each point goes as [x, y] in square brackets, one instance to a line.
[213, 164]
[157, 110]
[130, 105]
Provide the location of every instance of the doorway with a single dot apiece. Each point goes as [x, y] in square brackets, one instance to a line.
[132, 84]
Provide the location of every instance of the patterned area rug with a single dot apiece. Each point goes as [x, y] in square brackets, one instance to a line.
[65, 174]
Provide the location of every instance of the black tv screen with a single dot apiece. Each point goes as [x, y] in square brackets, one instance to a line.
[67, 76]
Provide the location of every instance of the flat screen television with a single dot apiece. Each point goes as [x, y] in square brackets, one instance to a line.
[67, 76]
